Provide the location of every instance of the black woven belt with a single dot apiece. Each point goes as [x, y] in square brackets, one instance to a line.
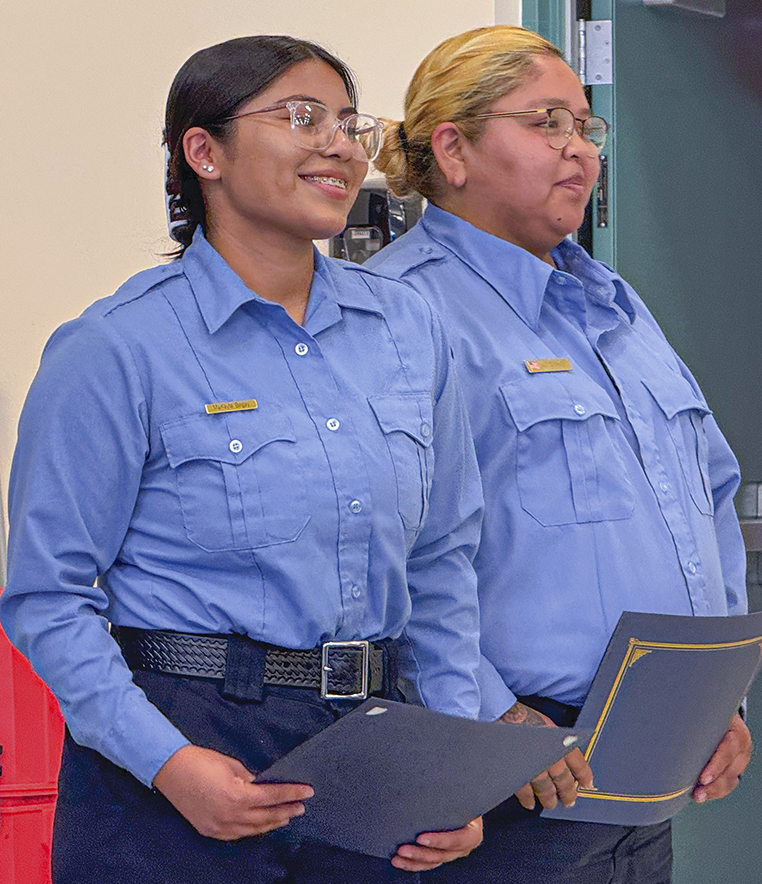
[340, 670]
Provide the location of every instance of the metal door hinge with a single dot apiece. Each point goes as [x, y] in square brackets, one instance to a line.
[595, 63]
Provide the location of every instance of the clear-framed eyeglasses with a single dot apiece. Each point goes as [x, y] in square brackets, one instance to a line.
[315, 125]
[559, 124]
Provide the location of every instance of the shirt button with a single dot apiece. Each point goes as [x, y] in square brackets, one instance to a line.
[355, 506]
[302, 349]
[356, 592]
[236, 446]
[580, 409]
[332, 424]
[664, 486]
[425, 430]
[691, 567]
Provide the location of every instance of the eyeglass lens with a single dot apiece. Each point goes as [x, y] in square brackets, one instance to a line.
[315, 127]
[561, 123]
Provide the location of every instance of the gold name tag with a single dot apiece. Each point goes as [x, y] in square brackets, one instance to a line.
[238, 405]
[535, 365]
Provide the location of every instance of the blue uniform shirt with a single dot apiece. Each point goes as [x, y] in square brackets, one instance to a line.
[607, 488]
[346, 505]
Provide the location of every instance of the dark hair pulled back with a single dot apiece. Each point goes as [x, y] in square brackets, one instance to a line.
[209, 88]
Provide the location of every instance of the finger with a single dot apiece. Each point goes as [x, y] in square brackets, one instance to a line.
[525, 796]
[721, 787]
[258, 822]
[462, 840]
[545, 790]
[274, 794]
[414, 858]
[565, 784]
[580, 769]
[736, 744]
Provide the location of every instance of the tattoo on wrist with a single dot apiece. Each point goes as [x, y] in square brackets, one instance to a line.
[521, 714]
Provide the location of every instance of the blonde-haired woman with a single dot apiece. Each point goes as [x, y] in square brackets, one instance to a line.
[608, 485]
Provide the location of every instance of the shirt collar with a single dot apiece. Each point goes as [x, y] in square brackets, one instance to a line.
[601, 283]
[219, 291]
[516, 275]
[519, 277]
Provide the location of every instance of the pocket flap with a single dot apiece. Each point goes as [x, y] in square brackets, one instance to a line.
[409, 413]
[229, 438]
[539, 397]
[674, 394]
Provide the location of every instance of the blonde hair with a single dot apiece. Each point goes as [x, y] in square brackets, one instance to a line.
[463, 76]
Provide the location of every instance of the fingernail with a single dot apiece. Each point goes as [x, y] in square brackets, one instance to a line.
[700, 797]
[423, 840]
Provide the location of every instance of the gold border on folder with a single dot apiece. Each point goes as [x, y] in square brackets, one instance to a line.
[540, 365]
[637, 649]
[237, 405]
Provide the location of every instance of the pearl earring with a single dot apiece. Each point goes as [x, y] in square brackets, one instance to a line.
[207, 168]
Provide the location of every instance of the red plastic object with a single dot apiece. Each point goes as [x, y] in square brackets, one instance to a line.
[31, 733]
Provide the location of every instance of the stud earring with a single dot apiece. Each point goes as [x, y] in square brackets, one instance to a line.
[207, 168]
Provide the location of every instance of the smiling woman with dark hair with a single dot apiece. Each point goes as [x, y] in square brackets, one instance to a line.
[244, 497]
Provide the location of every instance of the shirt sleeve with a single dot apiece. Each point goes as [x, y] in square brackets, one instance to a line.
[725, 479]
[443, 631]
[75, 479]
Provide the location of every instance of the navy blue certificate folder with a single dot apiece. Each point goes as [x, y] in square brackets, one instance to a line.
[387, 772]
[660, 703]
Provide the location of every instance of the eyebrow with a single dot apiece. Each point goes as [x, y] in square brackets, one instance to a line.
[556, 102]
[300, 97]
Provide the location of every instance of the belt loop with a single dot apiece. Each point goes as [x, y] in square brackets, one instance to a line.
[244, 669]
[391, 668]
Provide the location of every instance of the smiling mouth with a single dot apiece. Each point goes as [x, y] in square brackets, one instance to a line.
[574, 181]
[326, 179]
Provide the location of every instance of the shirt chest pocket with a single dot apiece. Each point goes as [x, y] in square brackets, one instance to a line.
[406, 421]
[238, 477]
[684, 415]
[569, 463]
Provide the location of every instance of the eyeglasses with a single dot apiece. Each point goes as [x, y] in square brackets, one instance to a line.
[315, 125]
[559, 124]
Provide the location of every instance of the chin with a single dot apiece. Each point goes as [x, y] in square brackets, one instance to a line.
[328, 229]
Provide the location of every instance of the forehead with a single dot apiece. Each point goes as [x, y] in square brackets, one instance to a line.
[552, 83]
[310, 79]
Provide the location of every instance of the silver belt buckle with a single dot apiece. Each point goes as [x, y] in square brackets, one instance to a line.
[326, 669]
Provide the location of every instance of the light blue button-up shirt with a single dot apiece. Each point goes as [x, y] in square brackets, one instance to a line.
[345, 505]
[607, 488]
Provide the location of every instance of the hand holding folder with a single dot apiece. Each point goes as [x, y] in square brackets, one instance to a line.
[387, 772]
[660, 705]
[560, 781]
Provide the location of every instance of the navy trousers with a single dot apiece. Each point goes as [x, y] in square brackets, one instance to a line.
[521, 847]
[110, 829]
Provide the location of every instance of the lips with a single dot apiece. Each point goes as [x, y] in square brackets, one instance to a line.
[573, 181]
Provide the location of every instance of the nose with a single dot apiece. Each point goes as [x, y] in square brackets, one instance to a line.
[577, 146]
[340, 146]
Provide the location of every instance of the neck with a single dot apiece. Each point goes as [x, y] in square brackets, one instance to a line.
[277, 269]
[476, 217]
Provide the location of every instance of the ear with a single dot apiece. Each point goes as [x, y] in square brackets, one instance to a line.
[447, 145]
[201, 151]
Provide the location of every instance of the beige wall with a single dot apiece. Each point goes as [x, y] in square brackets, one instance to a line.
[83, 87]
